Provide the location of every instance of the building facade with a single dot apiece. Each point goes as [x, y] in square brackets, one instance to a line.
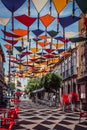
[67, 68]
[2, 82]
[82, 75]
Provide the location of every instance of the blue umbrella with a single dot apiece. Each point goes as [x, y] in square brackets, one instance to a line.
[13, 5]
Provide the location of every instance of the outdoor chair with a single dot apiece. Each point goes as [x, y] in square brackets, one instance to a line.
[12, 114]
[83, 114]
[7, 122]
[17, 109]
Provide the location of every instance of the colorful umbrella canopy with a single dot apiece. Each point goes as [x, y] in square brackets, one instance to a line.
[13, 5]
[4, 21]
[58, 45]
[49, 50]
[43, 44]
[71, 34]
[77, 39]
[41, 53]
[9, 34]
[60, 5]
[19, 48]
[39, 4]
[44, 37]
[7, 46]
[26, 53]
[47, 20]
[60, 50]
[48, 55]
[26, 20]
[10, 41]
[82, 5]
[34, 49]
[66, 21]
[20, 32]
[37, 32]
[52, 33]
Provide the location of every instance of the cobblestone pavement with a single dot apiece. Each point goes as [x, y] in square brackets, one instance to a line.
[33, 116]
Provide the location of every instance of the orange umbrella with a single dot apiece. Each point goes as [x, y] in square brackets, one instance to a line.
[21, 33]
[7, 46]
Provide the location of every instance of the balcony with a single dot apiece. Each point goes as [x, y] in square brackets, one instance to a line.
[68, 73]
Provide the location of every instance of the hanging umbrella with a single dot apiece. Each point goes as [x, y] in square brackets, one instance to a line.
[66, 21]
[7, 46]
[71, 34]
[52, 33]
[41, 53]
[49, 50]
[4, 22]
[77, 39]
[43, 44]
[47, 20]
[39, 5]
[9, 34]
[58, 45]
[37, 32]
[19, 48]
[21, 33]
[48, 56]
[34, 50]
[44, 37]
[12, 42]
[26, 20]
[13, 6]
[82, 5]
[59, 7]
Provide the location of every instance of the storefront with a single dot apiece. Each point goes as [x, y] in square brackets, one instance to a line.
[82, 89]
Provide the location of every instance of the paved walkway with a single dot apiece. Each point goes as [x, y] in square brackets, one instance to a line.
[38, 117]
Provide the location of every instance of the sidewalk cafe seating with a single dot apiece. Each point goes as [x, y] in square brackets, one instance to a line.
[7, 122]
[12, 114]
[17, 110]
[83, 114]
[15, 100]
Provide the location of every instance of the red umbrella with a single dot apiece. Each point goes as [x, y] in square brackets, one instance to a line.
[18, 93]
[74, 96]
[65, 98]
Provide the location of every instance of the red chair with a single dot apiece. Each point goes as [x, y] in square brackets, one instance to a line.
[12, 114]
[83, 115]
[15, 100]
[7, 122]
[17, 110]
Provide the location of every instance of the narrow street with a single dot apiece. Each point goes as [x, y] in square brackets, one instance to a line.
[38, 117]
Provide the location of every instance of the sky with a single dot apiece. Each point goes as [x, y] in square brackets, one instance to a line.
[5, 13]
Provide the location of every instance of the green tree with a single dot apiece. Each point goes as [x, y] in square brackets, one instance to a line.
[33, 84]
[52, 82]
[12, 86]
